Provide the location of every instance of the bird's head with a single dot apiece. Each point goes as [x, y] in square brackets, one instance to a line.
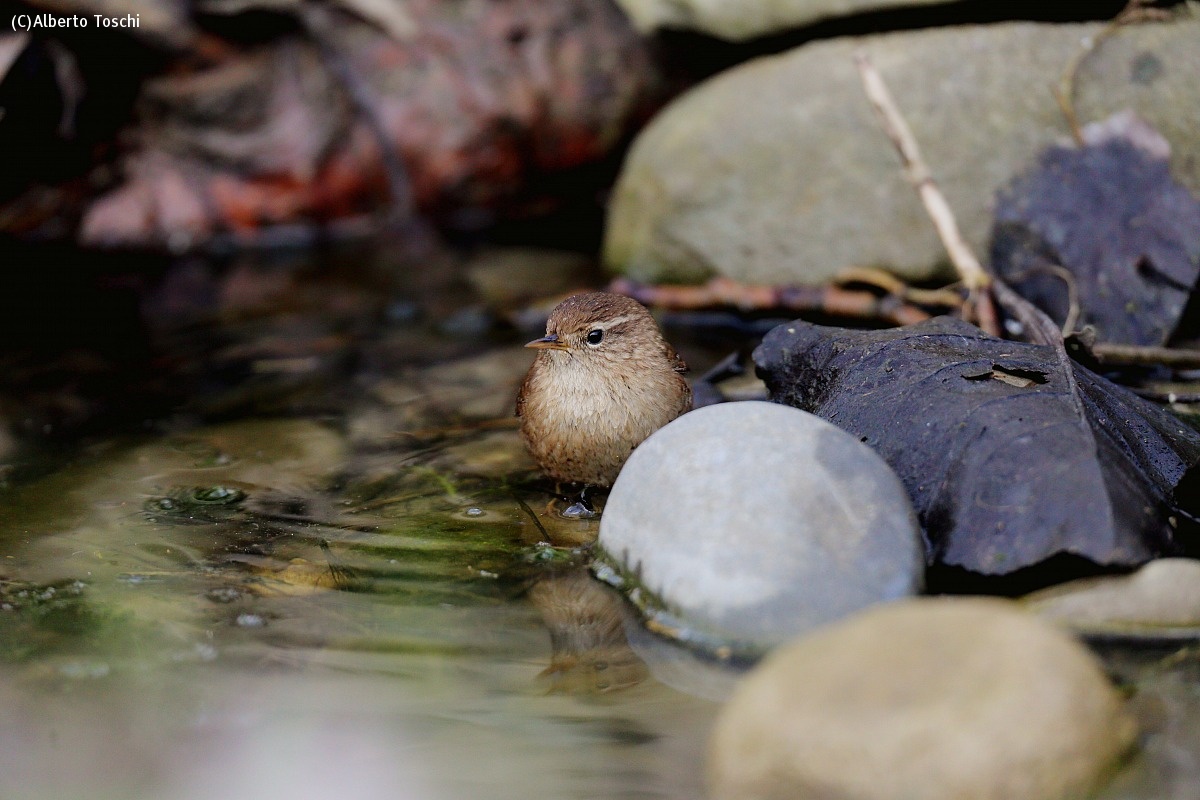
[598, 328]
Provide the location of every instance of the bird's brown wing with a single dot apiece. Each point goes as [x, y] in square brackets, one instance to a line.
[686, 399]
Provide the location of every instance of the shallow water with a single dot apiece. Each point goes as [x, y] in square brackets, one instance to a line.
[364, 598]
[185, 627]
[333, 574]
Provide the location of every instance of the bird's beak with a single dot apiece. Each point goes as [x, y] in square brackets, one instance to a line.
[548, 342]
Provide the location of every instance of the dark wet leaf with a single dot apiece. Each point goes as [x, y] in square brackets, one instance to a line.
[1008, 459]
[1126, 234]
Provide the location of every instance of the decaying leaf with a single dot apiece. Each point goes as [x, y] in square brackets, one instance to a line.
[1104, 228]
[366, 105]
[1008, 459]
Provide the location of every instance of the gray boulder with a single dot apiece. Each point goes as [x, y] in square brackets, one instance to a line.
[941, 699]
[737, 20]
[776, 171]
[741, 525]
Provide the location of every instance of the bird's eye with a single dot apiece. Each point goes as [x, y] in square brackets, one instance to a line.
[595, 336]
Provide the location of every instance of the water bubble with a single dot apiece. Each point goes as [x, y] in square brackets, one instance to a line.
[223, 495]
[475, 511]
[247, 620]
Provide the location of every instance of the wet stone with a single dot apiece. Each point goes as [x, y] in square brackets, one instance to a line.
[941, 699]
[741, 525]
[1159, 601]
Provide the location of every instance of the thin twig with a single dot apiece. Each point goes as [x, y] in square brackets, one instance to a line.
[969, 268]
[1068, 279]
[1167, 395]
[890, 283]
[723, 292]
[525, 507]
[1133, 355]
[1135, 11]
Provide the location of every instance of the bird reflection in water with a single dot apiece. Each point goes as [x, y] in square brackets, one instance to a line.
[586, 621]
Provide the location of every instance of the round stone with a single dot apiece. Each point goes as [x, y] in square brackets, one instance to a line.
[748, 523]
[969, 699]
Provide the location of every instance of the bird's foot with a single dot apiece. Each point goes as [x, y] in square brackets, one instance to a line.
[580, 506]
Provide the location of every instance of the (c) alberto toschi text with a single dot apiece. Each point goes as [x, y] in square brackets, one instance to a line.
[29, 22]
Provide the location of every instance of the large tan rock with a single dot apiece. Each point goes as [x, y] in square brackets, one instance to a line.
[737, 20]
[937, 699]
[776, 171]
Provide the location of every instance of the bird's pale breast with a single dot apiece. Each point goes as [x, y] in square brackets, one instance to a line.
[581, 424]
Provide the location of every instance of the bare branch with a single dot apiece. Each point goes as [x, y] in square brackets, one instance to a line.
[1112, 353]
[1136, 11]
[723, 292]
[969, 268]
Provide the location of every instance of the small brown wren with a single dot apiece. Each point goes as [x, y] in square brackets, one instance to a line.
[602, 381]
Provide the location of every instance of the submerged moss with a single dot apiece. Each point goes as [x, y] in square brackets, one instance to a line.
[38, 621]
